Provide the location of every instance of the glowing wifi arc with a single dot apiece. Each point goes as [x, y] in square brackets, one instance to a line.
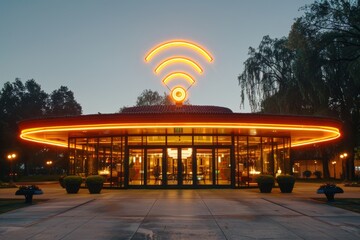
[173, 60]
[178, 43]
[174, 75]
[178, 93]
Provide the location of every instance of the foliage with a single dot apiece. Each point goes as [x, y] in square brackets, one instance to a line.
[265, 179]
[150, 98]
[19, 101]
[307, 173]
[31, 187]
[94, 179]
[313, 71]
[72, 180]
[285, 178]
[318, 174]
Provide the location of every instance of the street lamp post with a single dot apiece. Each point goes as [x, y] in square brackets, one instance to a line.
[334, 165]
[11, 157]
[49, 163]
[343, 157]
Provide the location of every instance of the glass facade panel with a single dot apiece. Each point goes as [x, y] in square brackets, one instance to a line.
[204, 167]
[167, 160]
[172, 155]
[224, 140]
[179, 140]
[154, 174]
[117, 162]
[222, 166]
[254, 159]
[155, 140]
[267, 156]
[242, 164]
[203, 140]
[136, 166]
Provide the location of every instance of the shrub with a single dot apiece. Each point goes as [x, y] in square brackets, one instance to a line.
[307, 173]
[318, 174]
[286, 183]
[72, 183]
[265, 183]
[94, 183]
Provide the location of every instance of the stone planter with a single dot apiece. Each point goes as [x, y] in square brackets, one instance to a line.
[265, 183]
[72, 184]
[330, 190]
[28, 192]
[286, 183]
[94, 183]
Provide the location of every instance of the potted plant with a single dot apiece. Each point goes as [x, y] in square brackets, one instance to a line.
[286, 183]
[265, 183]
[307, 174]
[318, 174]
[329, 189]
[94, 183]
[72, 183]
[28, 192]
[61, 181]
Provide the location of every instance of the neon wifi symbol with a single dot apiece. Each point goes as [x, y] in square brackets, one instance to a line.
[178, 93]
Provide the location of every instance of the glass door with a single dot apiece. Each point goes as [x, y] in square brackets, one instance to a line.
[136, 166]
[179, 166]
[154, 174]
[204, 166]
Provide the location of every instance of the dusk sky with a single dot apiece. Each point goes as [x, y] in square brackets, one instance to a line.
[97, 48]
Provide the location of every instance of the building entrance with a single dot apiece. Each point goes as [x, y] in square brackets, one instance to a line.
[179, 167]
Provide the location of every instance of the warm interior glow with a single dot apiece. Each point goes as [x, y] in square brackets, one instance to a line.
[178, 43]
[173, 60]
[185, 153]
[182, 75]
[178, 94]
[45, 135]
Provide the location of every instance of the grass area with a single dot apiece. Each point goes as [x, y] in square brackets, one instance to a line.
[12, 204]
[38, 178]
[352, 204]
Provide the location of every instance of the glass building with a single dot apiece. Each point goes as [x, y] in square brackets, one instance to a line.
[183, 146]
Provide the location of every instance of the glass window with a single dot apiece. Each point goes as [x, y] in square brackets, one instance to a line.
[179, 140]
[203, 140]
[154, 166]
[204, 165]
[267, 156]
[117, 163]
[135, 140]
[224, 140]
[222, 166]
[155, 140]
[136, 166]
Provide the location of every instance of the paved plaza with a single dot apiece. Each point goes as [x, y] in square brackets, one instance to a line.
[180, 214]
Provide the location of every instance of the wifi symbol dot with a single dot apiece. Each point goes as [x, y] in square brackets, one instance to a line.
[178, 93]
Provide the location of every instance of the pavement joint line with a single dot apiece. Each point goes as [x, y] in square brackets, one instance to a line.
[64, 211]
[213, 217]
[142, 221]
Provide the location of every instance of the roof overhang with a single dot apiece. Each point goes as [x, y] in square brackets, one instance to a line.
[302, 130]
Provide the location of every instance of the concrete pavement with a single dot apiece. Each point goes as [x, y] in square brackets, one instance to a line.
[181, 214]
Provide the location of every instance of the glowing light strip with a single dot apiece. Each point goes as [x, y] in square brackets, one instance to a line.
[26, 134]
[178, 43]
[173, 60]
[185, 76]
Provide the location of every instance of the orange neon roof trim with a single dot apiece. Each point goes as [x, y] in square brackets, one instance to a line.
[182, 75]
[38, 134]
[174, 60]
[178, 43]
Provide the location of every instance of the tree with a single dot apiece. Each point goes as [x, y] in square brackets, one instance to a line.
[150, 98]
[63, 103]
[318, 75]
[20, 101]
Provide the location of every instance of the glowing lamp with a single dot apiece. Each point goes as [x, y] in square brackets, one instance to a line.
[178, 94]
